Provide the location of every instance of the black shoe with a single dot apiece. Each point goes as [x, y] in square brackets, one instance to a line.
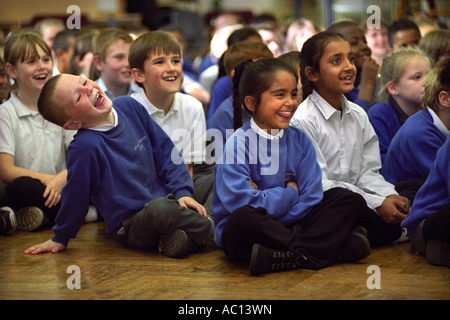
[8, 222]
[265, 260]
[356, 247]
[438, 253]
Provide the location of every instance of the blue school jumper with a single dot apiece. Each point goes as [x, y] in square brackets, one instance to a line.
[269, 164]
[386, 118]
[435, 192]
[121, 170]
[413, 149]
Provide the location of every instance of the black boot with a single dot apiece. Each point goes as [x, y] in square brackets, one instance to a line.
[265, 260]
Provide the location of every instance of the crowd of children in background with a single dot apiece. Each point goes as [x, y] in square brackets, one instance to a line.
[172, 148]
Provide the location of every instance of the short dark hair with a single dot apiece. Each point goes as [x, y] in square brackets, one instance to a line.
[50, 110]
[400, 24]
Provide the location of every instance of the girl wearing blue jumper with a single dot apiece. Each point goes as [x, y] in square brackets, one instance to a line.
[402, 82]
[345, 142]
[413, 149]
[268, 205]
[122, 160]
[429, 219]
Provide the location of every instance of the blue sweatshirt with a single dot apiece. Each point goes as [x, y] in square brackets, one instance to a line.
[121, 170]
[386, 118]
[434, 193]
[413, 149]
[269, 164]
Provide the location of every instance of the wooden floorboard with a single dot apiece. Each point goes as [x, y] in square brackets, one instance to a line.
[110, 271]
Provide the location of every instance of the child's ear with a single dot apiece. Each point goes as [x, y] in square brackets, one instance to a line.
[97, 62]
[311, 74]
[11, 71]
[72, 125]
[250, 103]
[392, 88]
[444, 98]
[138, 75]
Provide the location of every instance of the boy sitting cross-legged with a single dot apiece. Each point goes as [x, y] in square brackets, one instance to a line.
[122, 160]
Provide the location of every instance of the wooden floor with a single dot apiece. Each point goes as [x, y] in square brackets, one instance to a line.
[110, 271]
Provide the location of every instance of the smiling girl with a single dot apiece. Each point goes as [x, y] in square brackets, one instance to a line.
[268, 205]
[32, 150]
[345, 142]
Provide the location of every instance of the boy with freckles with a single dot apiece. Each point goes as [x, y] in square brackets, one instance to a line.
[122, 160]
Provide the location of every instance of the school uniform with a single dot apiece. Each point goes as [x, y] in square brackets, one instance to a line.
[223, 89]
[348, 153]
[37, 145]
[185, 125]
[386, 118]
[129, 171]
[274, 215]
[432, 202]
[413, 149]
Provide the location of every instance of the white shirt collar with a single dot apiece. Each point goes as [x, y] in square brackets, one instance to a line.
[264, 133]
[438, 122]
[106, 127]
[325, 108]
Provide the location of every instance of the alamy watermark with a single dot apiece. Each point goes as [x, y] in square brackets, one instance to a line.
[374, 21]
[74, 21]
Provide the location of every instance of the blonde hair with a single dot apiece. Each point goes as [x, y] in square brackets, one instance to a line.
[434, 43]
[23, 45]
[103, 41]
[437, 80]
[394, 66]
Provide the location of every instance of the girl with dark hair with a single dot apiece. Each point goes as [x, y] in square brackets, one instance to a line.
[268, 204]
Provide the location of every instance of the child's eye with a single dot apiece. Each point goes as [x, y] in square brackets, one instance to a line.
[336, 61]
[79, 97]
[352, 60]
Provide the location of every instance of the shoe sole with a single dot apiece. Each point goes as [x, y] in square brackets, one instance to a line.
[254, 260]
[29, 218]
[174, 244]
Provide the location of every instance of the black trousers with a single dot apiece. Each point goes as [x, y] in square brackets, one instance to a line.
[26, 192]
[319, 236]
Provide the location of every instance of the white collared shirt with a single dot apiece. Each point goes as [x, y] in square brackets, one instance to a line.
[184, 123]
[347, 147]
[438, 122]
[264, 133]
[35, 143]
[106, 127]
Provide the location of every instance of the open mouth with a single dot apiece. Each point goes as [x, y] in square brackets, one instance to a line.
[285, 114]
[99, 101]
[41, 77]
[347, 79]
[172, 78]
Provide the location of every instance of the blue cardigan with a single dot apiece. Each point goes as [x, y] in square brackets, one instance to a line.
[245, 157]
[121, 170]
[413, 149]
[434, 193]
